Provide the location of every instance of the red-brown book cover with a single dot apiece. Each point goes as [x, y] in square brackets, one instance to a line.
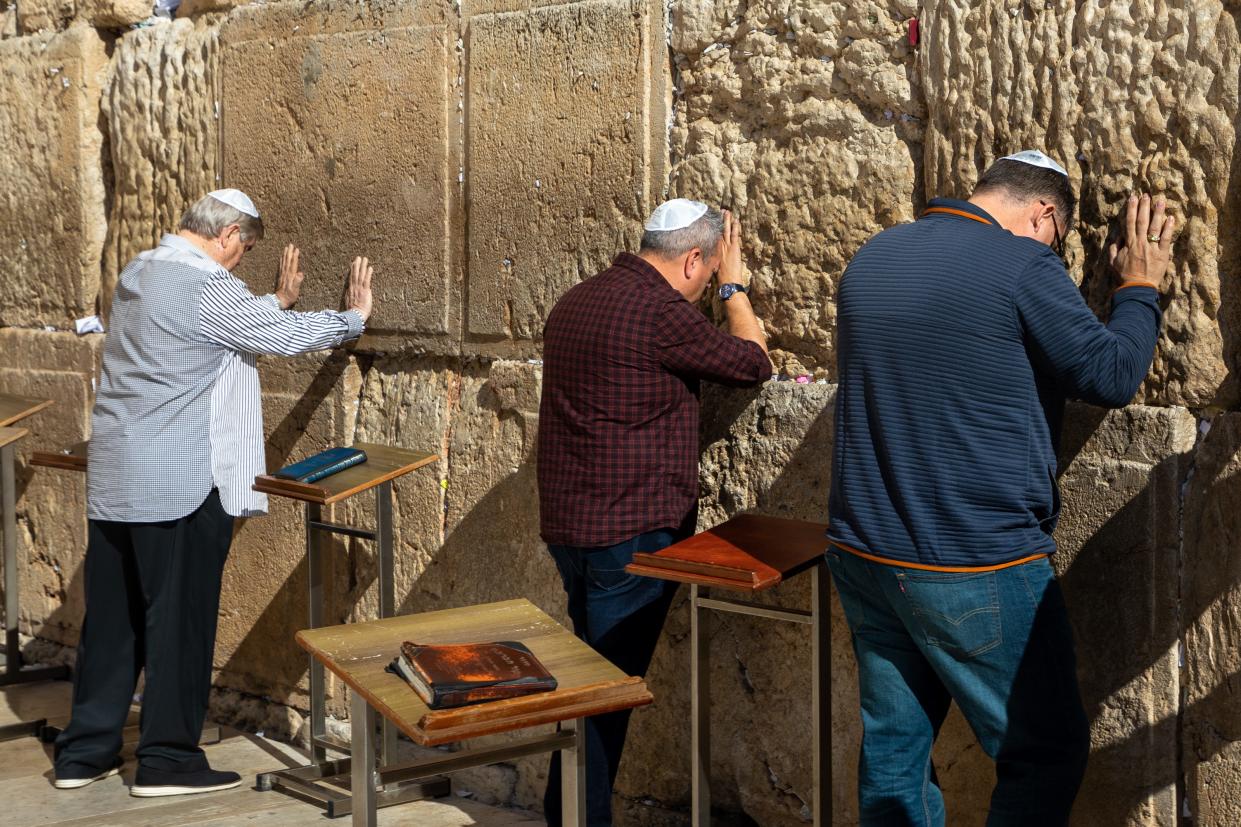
[446, 676]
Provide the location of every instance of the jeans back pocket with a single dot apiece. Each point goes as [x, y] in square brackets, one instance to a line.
[957, 612]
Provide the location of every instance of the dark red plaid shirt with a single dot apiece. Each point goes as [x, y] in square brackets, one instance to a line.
[618, 424]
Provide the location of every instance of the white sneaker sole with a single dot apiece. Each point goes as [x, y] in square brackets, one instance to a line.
[172, 789]
[78, 783]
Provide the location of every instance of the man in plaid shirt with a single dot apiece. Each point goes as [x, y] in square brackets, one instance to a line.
[623, 354]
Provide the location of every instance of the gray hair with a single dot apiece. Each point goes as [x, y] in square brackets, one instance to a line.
[209, 216]
[705, 234]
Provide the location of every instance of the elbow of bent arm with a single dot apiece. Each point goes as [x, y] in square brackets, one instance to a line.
[1116, 390]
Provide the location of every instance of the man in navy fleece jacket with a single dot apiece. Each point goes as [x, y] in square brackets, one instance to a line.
[960, 338]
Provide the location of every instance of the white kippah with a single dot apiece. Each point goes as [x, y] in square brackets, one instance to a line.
[238, 200]
[1036, 159]
[676, 214]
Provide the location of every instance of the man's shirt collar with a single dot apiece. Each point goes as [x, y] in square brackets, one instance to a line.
[958, 209]
[174, 247]
[643, 268]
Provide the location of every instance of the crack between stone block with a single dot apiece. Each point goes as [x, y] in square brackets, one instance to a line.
[1183, 814]
[452, 408]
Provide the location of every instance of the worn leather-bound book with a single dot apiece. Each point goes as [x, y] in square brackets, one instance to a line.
[446, 676]
[322, 464]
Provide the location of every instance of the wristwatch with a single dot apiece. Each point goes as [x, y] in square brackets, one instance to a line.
[728, 290]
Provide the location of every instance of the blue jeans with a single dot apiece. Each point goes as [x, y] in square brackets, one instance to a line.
[620, 616]
[999, 644]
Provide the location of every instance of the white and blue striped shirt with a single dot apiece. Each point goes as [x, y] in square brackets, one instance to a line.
[179, 409]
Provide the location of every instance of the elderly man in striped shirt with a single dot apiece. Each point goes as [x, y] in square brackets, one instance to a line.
[177, 439]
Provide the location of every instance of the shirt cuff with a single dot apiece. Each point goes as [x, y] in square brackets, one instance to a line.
[1135, 289]
[355, 322]
[275, 302]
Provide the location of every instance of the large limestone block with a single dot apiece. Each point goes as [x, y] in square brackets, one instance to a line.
[491, 548]
[1121, 478]
[408, 403]
[336, 122]
[1117, 562]
[565, 153]
[192, 8]
[1211, 588]
[43, 15]
[52, 208]
[51, 505]
[768, 451]
[310, 403]
[806, 120]
[1121, 473]
[115, 14]
[162, 109]
[1133, 96]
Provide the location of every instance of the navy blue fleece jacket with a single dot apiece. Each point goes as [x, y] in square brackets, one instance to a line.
[958, 345]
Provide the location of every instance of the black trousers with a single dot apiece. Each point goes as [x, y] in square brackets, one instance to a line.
[152, 596]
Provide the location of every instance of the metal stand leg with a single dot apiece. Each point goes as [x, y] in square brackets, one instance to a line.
[821, 667]
[573, 778]
[12, 652]
[387, 592]
[320, 780]
[700, 703]
[362, 782]
[318, 689]
[13, 672]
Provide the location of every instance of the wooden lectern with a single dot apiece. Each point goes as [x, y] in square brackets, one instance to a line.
[750, 554]
[72, 458]
[359, 654]
[14, 409]
[383, 464]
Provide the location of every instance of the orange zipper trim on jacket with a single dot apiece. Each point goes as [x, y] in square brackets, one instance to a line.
[954, 211]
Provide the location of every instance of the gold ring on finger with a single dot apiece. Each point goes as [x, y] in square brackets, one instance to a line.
[1153, 239]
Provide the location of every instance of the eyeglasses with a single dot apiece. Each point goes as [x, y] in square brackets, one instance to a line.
[1057, 242]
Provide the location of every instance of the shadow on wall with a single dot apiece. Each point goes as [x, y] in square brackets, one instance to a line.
[286, 611]
[1118, 570]
[491, 549]
[1229, 235]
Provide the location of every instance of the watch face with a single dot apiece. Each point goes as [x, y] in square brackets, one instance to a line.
[727, 291]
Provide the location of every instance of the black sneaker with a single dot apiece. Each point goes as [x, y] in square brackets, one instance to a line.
[151, 783]
[74, 776]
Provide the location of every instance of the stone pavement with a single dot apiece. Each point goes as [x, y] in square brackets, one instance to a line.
[31, 801]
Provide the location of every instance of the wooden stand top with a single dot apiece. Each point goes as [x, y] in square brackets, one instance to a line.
[748, 553]
[359, 654]
[383, 463]
[10, 435]
[72, 458]
[14, 408]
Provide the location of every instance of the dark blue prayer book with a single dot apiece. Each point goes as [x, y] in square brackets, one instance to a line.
[322, 464]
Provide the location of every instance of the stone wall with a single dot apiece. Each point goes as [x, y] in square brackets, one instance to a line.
[488, 154]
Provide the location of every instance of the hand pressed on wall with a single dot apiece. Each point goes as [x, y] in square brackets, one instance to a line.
[732, 267]
[289, 281]
[1148, 242]
[358, 290]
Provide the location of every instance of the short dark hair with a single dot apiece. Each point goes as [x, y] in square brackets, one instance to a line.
[1024, 181]
[705, 234]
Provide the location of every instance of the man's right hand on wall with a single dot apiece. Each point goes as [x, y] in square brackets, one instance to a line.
[358, 290]
[732, 268]
[1148, 242]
